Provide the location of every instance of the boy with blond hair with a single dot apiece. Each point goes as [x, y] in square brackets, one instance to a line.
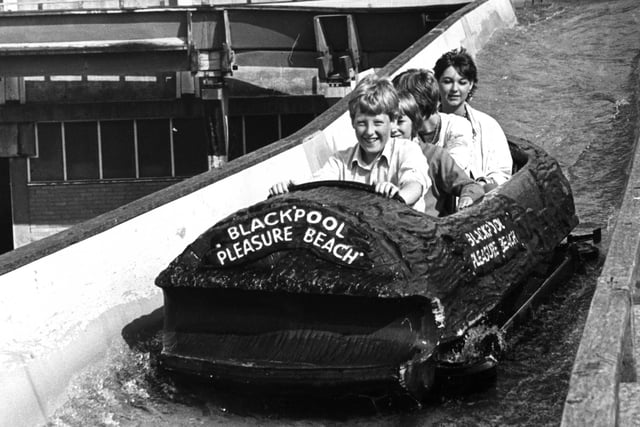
[394, 166]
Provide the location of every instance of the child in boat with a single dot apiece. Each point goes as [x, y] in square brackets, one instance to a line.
[451, 132]
[392, 165]
[457, 77]
[447, 178]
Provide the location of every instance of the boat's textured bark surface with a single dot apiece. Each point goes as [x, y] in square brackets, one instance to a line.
[466, 262]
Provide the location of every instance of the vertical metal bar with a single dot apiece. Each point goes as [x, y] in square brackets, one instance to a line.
[100, 169]
[171, 148]
[37, 154]
[135, 147]
[354, 43]
[227, 28]
[244, 137]
[64, 152]
[224, 98]
[279, 126]
[192, 52]
[224, 113]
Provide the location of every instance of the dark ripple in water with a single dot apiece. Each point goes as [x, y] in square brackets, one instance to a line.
[564, 78]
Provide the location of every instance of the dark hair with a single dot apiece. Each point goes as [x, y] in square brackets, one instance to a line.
[463, 63]
[408, 106]
[374, 95]
[422, 84]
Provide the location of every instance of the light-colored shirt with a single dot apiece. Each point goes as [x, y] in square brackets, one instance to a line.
[491, 154]
[456, 136]
[401, 161]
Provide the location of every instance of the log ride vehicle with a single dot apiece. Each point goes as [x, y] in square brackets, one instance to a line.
[331, 286]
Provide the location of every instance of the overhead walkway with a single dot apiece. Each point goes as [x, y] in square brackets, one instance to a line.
[215, 40]
[66, 297]
[58, 5]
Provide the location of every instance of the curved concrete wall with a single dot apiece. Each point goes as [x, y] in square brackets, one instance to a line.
[64, 298]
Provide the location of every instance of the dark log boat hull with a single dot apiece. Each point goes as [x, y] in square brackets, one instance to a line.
[334, 287]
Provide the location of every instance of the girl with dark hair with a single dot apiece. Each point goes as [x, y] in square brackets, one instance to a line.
[457, 77]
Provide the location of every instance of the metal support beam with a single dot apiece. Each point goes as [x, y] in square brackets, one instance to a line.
[218, 40]
[114, 42]
[341, 62]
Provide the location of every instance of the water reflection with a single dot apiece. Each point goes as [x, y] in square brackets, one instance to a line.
[564, 78]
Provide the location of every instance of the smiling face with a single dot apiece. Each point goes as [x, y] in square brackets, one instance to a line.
[454, 90]
[373, 131]
[403, 128]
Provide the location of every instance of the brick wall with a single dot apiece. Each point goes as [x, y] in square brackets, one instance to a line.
[65, 204]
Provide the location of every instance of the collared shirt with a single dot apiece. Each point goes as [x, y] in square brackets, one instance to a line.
[401, 161]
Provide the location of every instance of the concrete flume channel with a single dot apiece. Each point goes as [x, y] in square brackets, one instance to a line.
[65, 298]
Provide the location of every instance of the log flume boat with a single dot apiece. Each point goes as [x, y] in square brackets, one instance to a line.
[332, 286]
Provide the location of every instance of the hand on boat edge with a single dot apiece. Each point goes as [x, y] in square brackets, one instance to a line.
[280, 188]
[387, 189]
[464, 202]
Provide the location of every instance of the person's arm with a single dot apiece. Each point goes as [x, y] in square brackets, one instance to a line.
[499, 161]
[413, 166]
[471, 192]
[454, 180]
[412, 174]
[487, 183]
[410, 191]
[458, 142]
[464, 202]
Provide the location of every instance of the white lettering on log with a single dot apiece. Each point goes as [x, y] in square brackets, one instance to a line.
[490, 241]
[324, 232]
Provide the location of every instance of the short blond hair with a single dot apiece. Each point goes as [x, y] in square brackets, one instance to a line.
[374, 95]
